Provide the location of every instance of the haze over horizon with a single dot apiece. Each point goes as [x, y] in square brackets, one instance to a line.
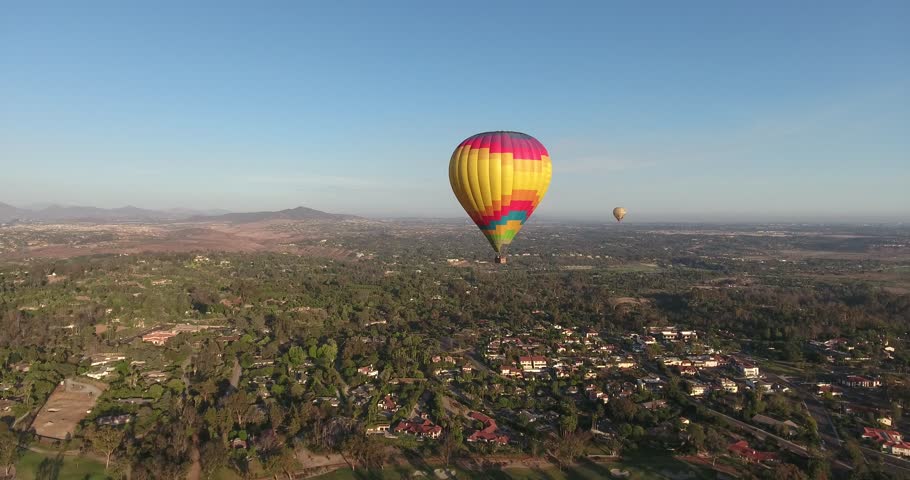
[696, 112]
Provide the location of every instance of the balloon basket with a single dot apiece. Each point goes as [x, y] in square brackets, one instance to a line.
[500, 259]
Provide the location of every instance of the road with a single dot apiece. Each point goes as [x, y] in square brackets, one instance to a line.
[893, 464]
[781, 442]
[478, 363]
[828, 432]
[826, 429]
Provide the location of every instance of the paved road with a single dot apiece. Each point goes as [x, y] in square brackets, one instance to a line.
[236, 372]
[828, 431]
[478, 363]
[781, 442]
[893, 464]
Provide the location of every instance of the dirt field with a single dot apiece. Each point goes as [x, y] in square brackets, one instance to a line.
[66, 407]
[65, 241]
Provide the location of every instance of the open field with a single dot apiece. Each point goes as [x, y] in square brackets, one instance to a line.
[637, 466]
[71, 240]
[66, 407]
[66, 467]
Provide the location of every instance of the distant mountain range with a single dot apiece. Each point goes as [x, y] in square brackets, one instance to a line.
[58, 213]
[299, 213]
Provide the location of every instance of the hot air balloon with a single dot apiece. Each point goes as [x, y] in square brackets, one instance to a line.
[619, 213]
[500, 178]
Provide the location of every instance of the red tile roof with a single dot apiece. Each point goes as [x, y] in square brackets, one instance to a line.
[742, 448]
[422, 427]
[489, 432]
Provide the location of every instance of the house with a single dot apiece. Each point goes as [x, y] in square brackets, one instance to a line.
[650, 382]
[115, 420]
[509, 371]
[158, 338]
[489, 433]
[827, 388]
[421, 427]
[671, 361]
[747, 369]
[759, 385]
[880, 436]
[728, 385]
[857, 381]
[533, 364]
[742, 449]
[889, 440]
[156, 376]
[696, 388]
[687, 335]
[688, 371]
[378, 428]
[388, 403]
[597, 395]
[704, 361]
[901, 449]
[100, 373]
[105, 358]
[787, 426]
[654, 405]
[624, 363]
[368, 371]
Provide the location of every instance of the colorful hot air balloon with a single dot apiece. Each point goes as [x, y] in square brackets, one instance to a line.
[619, 213]
[500, 178]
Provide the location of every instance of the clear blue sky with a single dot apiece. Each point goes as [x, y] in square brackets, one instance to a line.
[676, 110]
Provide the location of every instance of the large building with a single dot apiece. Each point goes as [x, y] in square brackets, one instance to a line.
[420, 427]
[858, 381]
[533, 364]
[889, 440]
[489, 433]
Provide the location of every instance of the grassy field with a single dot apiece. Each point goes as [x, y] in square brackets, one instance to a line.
[639, 467]
[68, 467]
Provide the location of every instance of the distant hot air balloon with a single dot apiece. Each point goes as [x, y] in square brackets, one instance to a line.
[619, 213]
[500, 178]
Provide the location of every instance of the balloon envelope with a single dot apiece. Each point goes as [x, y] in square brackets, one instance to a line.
[619, 213]
[500, 178]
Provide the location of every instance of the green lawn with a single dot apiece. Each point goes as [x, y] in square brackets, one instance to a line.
[68, 467]
[640, 467]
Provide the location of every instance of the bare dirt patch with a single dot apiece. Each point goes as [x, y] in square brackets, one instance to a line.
[68, 404]
[65, 241]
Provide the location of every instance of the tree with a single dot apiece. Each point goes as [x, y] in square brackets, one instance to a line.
[715, 443]
[788, 471]
[212, 457]
[819, 468]
[452, 442]
[284, 462]
[855, 452]
[296, 356]
[105, 440]
[363, 450]
[569, 422]
[567, 447]
[697, 437]
[9, 449]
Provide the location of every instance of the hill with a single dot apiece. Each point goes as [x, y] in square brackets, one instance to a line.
[9, 212]
[68, 213]
[299, 213]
